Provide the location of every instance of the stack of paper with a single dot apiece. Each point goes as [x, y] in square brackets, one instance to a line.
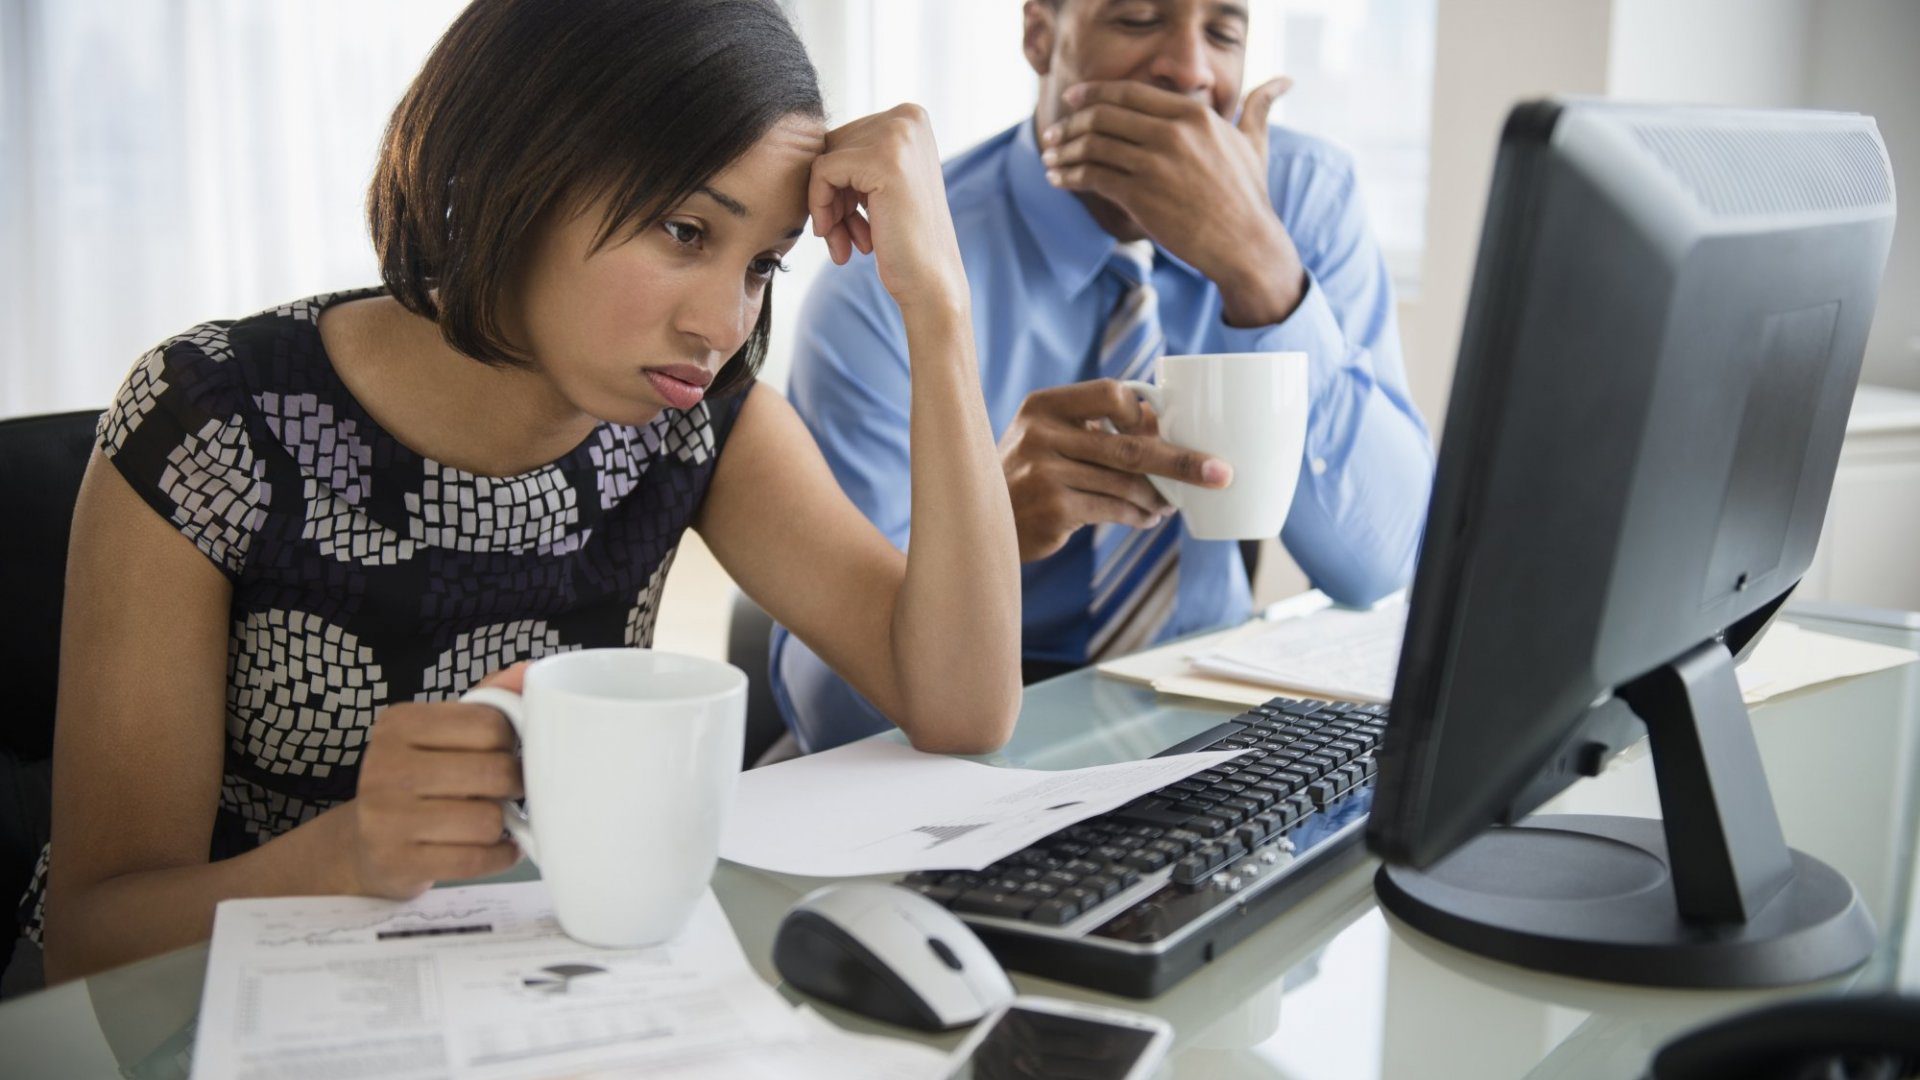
[1336, 653]
[479, 981]
[1315, 650]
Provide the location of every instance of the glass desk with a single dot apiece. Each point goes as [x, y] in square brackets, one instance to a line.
[1334, 988]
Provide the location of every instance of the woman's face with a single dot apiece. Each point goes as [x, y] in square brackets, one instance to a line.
[645, 322]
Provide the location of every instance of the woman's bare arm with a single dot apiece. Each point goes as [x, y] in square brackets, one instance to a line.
[138, 755]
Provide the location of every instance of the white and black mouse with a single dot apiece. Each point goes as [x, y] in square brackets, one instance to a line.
[889, 953]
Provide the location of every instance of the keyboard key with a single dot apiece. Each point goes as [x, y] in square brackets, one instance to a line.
[939, 894]
[1147, 861]
[989, 902]
[1106, 885]
[1061, 880]
[1322, 792]
[1235, 809]
[1171, 849]
[1038, 889]
[1054, 912]
[1081, 896]
[1208, 826]
[1191, 870]
[1149, 811]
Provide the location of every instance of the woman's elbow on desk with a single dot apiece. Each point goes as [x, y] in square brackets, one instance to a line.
[969, 725]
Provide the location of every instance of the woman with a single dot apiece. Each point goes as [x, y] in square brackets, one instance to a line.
[327, 521]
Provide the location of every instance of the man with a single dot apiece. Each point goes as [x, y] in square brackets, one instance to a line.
[1131, 216]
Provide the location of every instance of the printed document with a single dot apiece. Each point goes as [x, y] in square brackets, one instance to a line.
[471, 981]
[879, 806]
[1337, 653]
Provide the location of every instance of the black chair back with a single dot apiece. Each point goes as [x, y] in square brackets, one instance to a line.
[42, 459]
[748, 638]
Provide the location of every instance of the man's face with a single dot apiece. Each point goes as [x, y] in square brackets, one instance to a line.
[1192, 47]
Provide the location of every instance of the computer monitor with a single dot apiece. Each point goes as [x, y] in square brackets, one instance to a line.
[1661, 347]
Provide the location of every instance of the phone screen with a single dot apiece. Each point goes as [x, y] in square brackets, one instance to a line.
[1031, 1045]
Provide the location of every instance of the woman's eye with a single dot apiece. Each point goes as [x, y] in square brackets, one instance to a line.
[766, 268]
[681, 232]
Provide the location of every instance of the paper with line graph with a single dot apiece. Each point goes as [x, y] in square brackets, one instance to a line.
[881, 807]
[472, 981]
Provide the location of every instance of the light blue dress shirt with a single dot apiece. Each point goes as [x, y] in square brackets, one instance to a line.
[1034, 258]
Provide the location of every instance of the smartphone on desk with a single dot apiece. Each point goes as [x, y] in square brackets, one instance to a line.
[1038, 1038]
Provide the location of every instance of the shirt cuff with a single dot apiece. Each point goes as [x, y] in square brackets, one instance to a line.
[1311, 329]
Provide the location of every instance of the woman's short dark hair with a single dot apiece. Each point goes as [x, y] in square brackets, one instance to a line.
[530, 106]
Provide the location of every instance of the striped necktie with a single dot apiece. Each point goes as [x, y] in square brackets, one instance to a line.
[1136, 572]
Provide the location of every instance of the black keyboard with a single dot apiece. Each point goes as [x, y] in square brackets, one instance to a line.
[1133, 900]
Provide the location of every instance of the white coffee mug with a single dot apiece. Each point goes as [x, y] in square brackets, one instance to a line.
[630, 758]
[1248, 409]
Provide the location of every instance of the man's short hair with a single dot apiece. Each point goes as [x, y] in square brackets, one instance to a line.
[528, 108]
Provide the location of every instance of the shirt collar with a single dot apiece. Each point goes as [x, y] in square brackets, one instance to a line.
[1073, 244]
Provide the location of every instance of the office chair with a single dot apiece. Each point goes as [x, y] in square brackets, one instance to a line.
[1848, 1038]
[41, 461]
[748, 637]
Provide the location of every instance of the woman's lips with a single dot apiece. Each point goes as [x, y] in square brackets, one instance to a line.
[682, 386]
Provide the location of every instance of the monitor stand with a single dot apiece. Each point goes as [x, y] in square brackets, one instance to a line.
[1710, 896]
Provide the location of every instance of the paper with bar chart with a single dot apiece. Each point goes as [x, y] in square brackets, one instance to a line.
[881, 807]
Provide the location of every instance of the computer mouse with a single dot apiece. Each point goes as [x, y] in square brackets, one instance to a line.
[889, 953]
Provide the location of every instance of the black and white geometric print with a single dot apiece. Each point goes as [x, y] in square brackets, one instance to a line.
[646, 608]
[137, 397]
[481, 652]
[218, 489]
[33, 913]
[326, 447]
[307, 309]
[616, 468]
[210, 339]
[458, 510]
[344, 532]
[301, 693]
[688, 436]
[263, 813]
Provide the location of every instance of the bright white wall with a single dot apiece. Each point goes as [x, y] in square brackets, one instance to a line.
[1719, 52]
[1864, 55]
[1489, 54]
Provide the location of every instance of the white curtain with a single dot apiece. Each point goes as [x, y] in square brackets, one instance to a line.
[164, 162]
[168, 161]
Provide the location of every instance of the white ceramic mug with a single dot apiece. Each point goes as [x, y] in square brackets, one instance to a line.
[630, 758]
[1248, 409]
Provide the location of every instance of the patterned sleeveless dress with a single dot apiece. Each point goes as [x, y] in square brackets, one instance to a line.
[364, 574]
